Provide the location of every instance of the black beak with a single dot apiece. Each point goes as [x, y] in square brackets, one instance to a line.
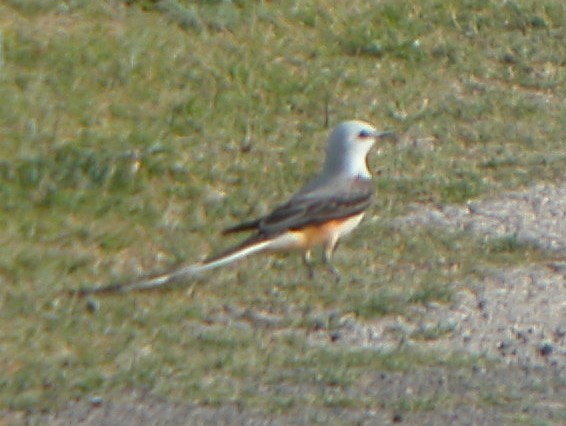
[388, 134]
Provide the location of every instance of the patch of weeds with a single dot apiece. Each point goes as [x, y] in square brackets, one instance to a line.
[284, 403]
[508, 244]
[185, 16]
[432, 291]
[33, 7]
[72, 168]
[495, 397]
[509, 249]
[433, 332]
[384, 302]
[462, 188]
[418, 404]
[338, 400]
[382, 37]
[528, 420]
[333, 378]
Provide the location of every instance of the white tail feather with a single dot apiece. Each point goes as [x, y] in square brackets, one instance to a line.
[188, 271]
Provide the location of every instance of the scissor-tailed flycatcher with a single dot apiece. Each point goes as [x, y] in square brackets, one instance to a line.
[327, 208]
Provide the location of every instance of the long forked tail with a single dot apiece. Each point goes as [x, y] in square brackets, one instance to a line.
[250, 246]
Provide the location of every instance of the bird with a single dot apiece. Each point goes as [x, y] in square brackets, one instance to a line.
[327, 208]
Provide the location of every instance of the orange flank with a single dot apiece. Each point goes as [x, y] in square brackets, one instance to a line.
[326, 233]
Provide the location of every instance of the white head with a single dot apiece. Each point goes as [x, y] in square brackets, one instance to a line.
[348, 146]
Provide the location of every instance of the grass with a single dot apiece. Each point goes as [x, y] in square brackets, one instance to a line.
[134, 133]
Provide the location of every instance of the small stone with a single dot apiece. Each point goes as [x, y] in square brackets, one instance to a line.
[477, 369]
[96, 401]
[545, 349]
[214, 197]
[318, 325]
[335, 336]
[92, 305]
[522, 336]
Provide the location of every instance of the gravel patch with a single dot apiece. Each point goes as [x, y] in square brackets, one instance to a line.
[536, 216]
[517, 314]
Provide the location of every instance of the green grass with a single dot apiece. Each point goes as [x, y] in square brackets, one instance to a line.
[122, 120]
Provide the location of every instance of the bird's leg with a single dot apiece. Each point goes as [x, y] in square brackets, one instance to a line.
[327, 260]
[308, 264]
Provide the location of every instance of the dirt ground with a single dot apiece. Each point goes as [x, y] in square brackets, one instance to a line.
[517, 316]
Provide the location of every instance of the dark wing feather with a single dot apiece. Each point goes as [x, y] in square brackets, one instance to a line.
[312, 209]
[245, 226]
[306, 210]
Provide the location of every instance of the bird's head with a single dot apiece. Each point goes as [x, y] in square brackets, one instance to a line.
[348, 147]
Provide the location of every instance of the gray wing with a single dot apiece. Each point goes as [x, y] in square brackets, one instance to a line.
[314, 207]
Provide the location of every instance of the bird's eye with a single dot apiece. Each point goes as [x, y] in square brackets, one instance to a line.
[364, 134]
